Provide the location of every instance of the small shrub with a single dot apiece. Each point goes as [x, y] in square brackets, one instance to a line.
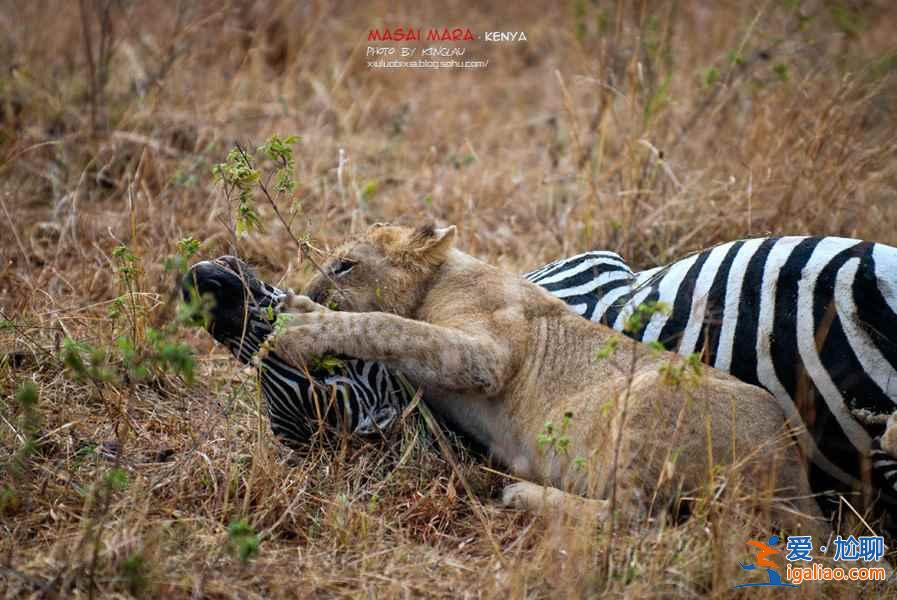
[243, 541]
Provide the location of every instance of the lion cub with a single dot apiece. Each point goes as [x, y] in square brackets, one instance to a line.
[500, 358]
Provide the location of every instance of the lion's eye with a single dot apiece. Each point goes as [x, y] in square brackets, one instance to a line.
[343, 266]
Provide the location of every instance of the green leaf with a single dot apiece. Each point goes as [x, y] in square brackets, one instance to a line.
[117, 479]
[247, 219]
[658, 100]
[735, 58]
[72, 356]
[369, 189]
[327, 363]
[188, 246]
[243, 540]
[280, 149]
[285, 183]
[27, 395]
[281, 322]
[9, 500]
[781, 70]
[850, 21]
[134, 572]
[609, 347]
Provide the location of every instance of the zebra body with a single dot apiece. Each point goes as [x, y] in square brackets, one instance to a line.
[811, 319]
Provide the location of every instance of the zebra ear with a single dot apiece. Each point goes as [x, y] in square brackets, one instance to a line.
[433, 241]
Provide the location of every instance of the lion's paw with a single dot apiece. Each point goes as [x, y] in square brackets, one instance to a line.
[297, 303]
[523, 495]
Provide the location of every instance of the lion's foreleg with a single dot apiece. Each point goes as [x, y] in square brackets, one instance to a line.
[428, 354]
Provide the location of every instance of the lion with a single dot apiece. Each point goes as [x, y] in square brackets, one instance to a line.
[512, 367]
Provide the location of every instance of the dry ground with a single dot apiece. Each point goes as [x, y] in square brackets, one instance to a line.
[650, 128]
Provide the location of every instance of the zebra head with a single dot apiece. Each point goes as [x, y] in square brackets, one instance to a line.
[363, 397]
[243, 307]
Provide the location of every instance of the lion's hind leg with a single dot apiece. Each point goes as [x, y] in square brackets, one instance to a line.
[536, 498]
[888, 440]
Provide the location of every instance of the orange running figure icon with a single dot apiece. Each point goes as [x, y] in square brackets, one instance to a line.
[762, 560]
[764, 550]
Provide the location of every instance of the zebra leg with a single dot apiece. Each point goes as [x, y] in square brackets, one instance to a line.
[361, 397]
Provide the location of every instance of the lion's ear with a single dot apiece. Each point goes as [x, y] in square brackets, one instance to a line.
[433, 241]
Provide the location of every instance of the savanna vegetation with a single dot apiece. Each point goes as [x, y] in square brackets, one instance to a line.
[136, 458]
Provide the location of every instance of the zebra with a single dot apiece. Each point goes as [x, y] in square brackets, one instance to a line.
[811, 319]
[359, 397]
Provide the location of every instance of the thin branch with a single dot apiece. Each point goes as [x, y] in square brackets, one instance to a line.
[303, 247]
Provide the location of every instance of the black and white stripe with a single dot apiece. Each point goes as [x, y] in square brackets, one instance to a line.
[811, 319]
[362, 397]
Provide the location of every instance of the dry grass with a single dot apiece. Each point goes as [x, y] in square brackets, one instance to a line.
[626, 126]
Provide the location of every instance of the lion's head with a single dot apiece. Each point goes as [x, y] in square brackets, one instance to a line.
[388, 268]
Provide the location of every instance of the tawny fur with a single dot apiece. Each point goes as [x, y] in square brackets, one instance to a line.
[889, 438]
[500, 357]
